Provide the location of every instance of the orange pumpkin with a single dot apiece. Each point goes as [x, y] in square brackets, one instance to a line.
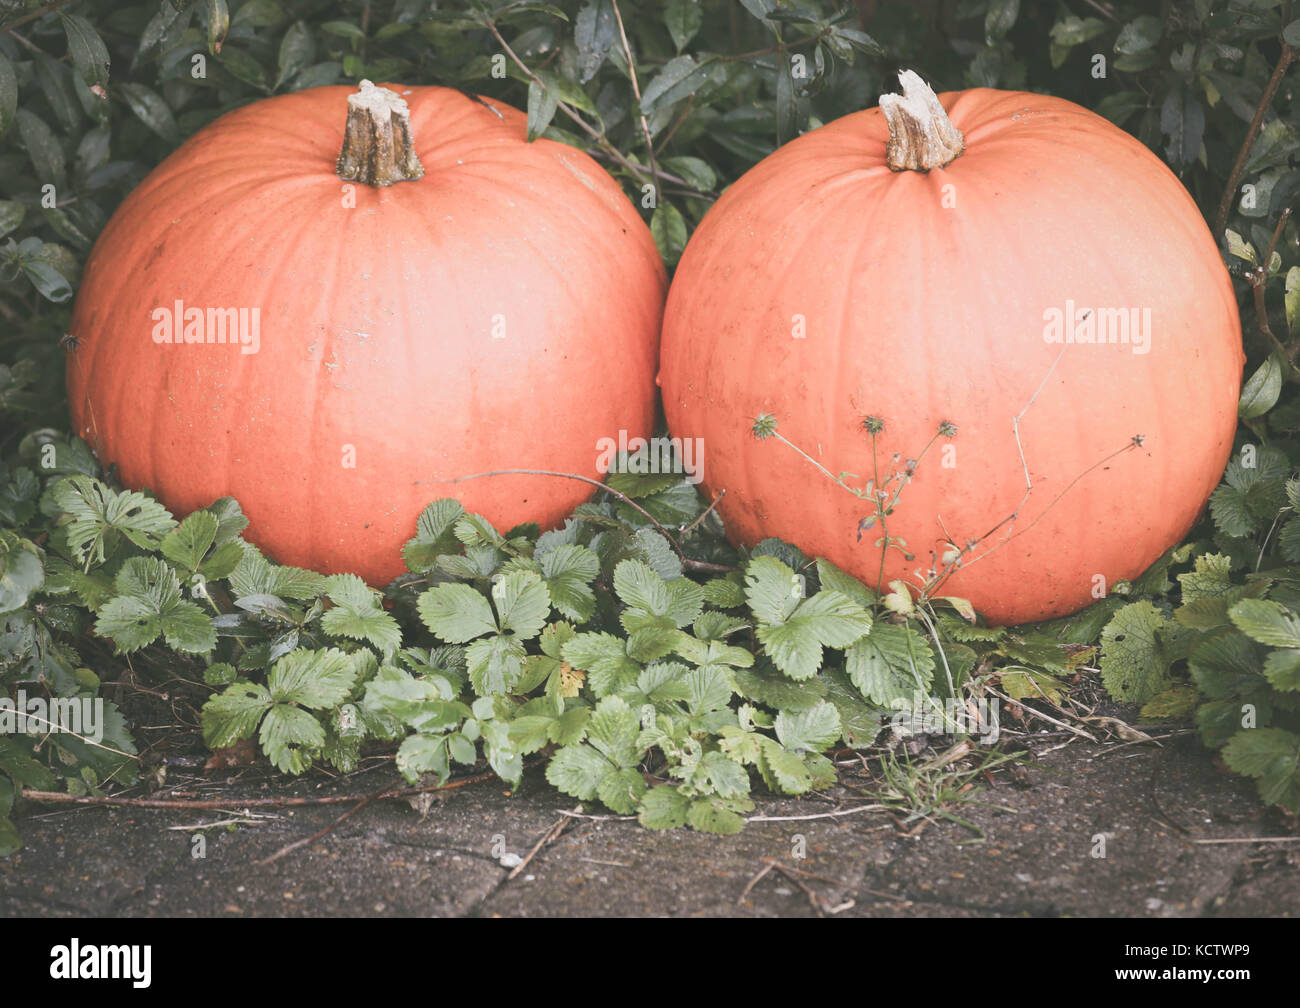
[1008, 263]
[332, 338]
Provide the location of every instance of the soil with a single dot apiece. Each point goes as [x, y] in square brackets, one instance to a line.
[1111, 829]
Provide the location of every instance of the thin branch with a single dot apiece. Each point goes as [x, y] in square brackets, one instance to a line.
[307, 841]
[601, 140]
[545, 840]
[1284, 61]
[61, 798]
[636, 93]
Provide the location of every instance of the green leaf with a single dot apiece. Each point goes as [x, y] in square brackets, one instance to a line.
[542, 103]
[1266, 622]
[421, 754]
[890, 663]
[713, 815]
[255, 575]
[1212, 578]
[1282, 669]
[663, 808]
[832, 577]
[782, 770]
[8, 94]
[1273, 756]
[148, 604]
[669, 230]
[1177, 703]
[456, 613]
[358, 615]
[1262, 389]
[188, 543]
[315, 679]
[568, 571]
[679, 78]
[242, 66]
[495, 664]
[297, 50]
[595, 32]
[42, 147]
[811, 730]
[11, 213]
[1239, 247]
[21, 574]
[604, 657]
[859, 723]
[86, 49]
[1292, 295]
[523, 604]
[98, 513]
[577, 770]
[218, 25]
[150, 108]
[683, 19]
[1139, 35]
[291, 738]
[1133, 664]
[234, 714]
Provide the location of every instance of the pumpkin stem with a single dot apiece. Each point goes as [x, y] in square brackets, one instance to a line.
[377, 145]
[921, 136]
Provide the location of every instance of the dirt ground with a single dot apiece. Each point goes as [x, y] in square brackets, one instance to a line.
[1116, 830]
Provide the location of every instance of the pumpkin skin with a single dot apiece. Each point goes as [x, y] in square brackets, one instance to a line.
[502, 312]
[925, 298]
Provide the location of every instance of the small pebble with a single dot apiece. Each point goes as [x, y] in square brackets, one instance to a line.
[510, 860]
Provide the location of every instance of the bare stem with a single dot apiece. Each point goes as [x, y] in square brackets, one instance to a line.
[1284, 61]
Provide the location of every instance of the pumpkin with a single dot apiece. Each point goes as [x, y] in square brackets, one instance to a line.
[331, 306]
[1006, 264]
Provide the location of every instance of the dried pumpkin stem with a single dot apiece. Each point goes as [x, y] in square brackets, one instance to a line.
[921, 136]
[377, 145]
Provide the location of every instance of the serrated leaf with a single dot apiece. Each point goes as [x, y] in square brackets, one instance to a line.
[522, 602]
[1267, 622]
[291, 738]
[188, 543]
[811, 730]
[314, 679]
[890, 663]
[714, 816]
[456, 613]
[781, 769]
[1271, 755]
[357, 614]
[663, 808]
[421, 754]
[234, 714]
[1134, 667]
[435, 533]
[576, 770]
[495, 664]
[1178, 703]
